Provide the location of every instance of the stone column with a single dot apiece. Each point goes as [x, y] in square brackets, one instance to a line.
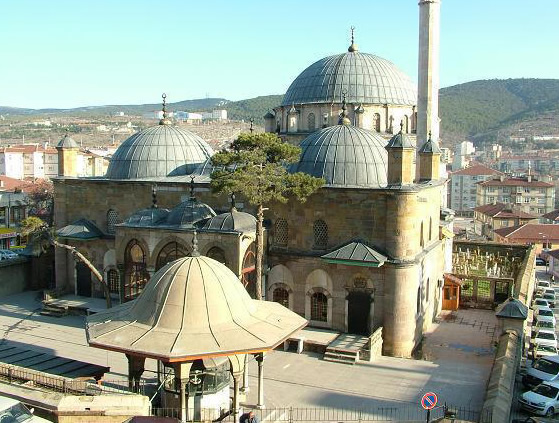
[237, 363]
[135, 370]
[260, 360]
[182, 376]
[245, 388]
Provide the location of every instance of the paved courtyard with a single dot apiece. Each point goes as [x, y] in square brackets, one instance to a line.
[457, 356]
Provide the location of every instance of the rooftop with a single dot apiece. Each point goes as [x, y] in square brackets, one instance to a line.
[533, 231]
[477, 169]
[552, 215]
[516, 182]
[503, 211]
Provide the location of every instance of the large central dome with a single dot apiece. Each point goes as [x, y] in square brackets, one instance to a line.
[159, 151]
[368, 79]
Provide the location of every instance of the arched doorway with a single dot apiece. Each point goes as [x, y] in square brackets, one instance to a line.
[248, 272]
[358, 311]
[83, 279]
[136, 274]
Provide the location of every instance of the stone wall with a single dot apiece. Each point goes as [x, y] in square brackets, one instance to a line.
[15, 276]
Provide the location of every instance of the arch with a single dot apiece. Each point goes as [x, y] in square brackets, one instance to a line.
[109, 259]
[376, 122]
[248, 270]
[136, 275]
[217, 254]
[281, 232]
[311, 122]
[319, 278]
[421, 240]
[430, 228]
[320, 230]
[112, 220]
[170, 252]
[280, 276]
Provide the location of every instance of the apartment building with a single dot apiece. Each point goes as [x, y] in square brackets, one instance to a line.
[463, 189]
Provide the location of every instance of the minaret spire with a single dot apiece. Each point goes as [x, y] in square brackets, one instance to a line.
[353, 47]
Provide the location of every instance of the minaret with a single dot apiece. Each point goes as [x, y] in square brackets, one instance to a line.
[67, 157]
[428, 71]
[401, 152]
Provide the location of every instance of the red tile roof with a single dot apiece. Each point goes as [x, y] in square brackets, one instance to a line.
[503, 211]
[531, 231]
[520, 182]
[477, 169]
[10, 184]
[28, 148]
[552, 215]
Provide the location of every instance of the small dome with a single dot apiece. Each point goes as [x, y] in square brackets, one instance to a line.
[189, 213]
[269, 115]
[193, 307]
[368, 79]
[400, 140]
[67, 142]
[513, 309]
[159, 151]
[232, 221]
[151, 216]
[345, 156]
[430, 147]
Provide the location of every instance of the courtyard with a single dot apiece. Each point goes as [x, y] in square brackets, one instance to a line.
[454, 362]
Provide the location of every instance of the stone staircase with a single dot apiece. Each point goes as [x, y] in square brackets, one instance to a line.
[53, 310]
[345, 348]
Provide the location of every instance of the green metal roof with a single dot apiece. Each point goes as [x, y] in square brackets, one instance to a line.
[355, 253]
[80, 229]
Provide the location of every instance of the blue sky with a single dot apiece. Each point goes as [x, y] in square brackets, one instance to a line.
[91, 52]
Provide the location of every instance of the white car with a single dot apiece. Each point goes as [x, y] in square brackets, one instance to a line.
[542, 400]
[12, 411]
[543, 337]
[550, 298]
[544, 351]
[543, 322]
[540, 302]
[543, 311]
[543, 285]
[8, 255]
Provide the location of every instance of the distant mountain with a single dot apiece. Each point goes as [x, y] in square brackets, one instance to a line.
[483, 111]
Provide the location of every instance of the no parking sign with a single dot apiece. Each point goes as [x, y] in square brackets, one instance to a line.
[429, 400]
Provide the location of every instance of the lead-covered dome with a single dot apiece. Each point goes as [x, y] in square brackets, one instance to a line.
[345, 156]
[159, 151]
[368, 79]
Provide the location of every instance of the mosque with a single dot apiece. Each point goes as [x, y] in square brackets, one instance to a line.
[367, 250]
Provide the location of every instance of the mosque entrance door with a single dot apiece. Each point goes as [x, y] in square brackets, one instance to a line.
[83, 280]
[358, 309]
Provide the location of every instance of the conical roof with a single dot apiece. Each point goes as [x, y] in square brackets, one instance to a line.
[194, 307]
[67, 142]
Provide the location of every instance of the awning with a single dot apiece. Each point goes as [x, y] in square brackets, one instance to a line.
[452, 279]
[447, 233]
[355, 253]
[82, 229]
[7, 233]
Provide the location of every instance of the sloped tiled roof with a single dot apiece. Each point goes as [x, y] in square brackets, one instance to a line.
[503, 211]
[534, 231]
[520, 182]
[356, 252]
[477, 169]
[552, 215]
[80, 229]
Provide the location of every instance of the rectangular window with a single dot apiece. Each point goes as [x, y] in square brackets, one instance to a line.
[504, 223]
[526, 199]
[506, 190]
[526, 189]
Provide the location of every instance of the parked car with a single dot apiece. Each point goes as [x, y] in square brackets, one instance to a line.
[543, 322]
[12, 410]
[551, 299]
[543, 311]
[542, 369]
[542, 400]
[7, 255]
[543, 351]
[540, 302]
[540, 261]
[545, 337]
[543, 284]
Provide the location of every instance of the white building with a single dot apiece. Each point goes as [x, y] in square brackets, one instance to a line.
[463, 187]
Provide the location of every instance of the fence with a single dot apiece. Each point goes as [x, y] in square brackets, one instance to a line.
[405, 413]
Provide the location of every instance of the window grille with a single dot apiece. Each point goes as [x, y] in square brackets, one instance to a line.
[281, 295]
[319, 307]
[311, 122]
[112, 279]
[112, 220]
[320, 234]
[281, 232]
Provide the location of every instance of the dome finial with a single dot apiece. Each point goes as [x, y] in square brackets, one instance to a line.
[164, 120]
[192, 196]
[429, 139]
[344, 120]
[195, 252]
[233, 208]
[154, 197]
[401, 126]
[353, 47]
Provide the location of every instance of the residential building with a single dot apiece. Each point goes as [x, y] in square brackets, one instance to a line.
[489, 217]
[463, 188]
[527, 193]
[552, 217]
[538, 162]
[13, 209]
[542, 236]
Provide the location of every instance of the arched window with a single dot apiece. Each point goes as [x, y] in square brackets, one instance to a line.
[281, 232]
[421, 240]
[171, 252]
[217, 254]
[112, 219]
[113, 282]
[281, 295]
[311, 122]
[319, 307]
[406, 124]
[427, 290]
[136, 274]
[418, 300]
[248, 272]
[320, 229]
[377, 122]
